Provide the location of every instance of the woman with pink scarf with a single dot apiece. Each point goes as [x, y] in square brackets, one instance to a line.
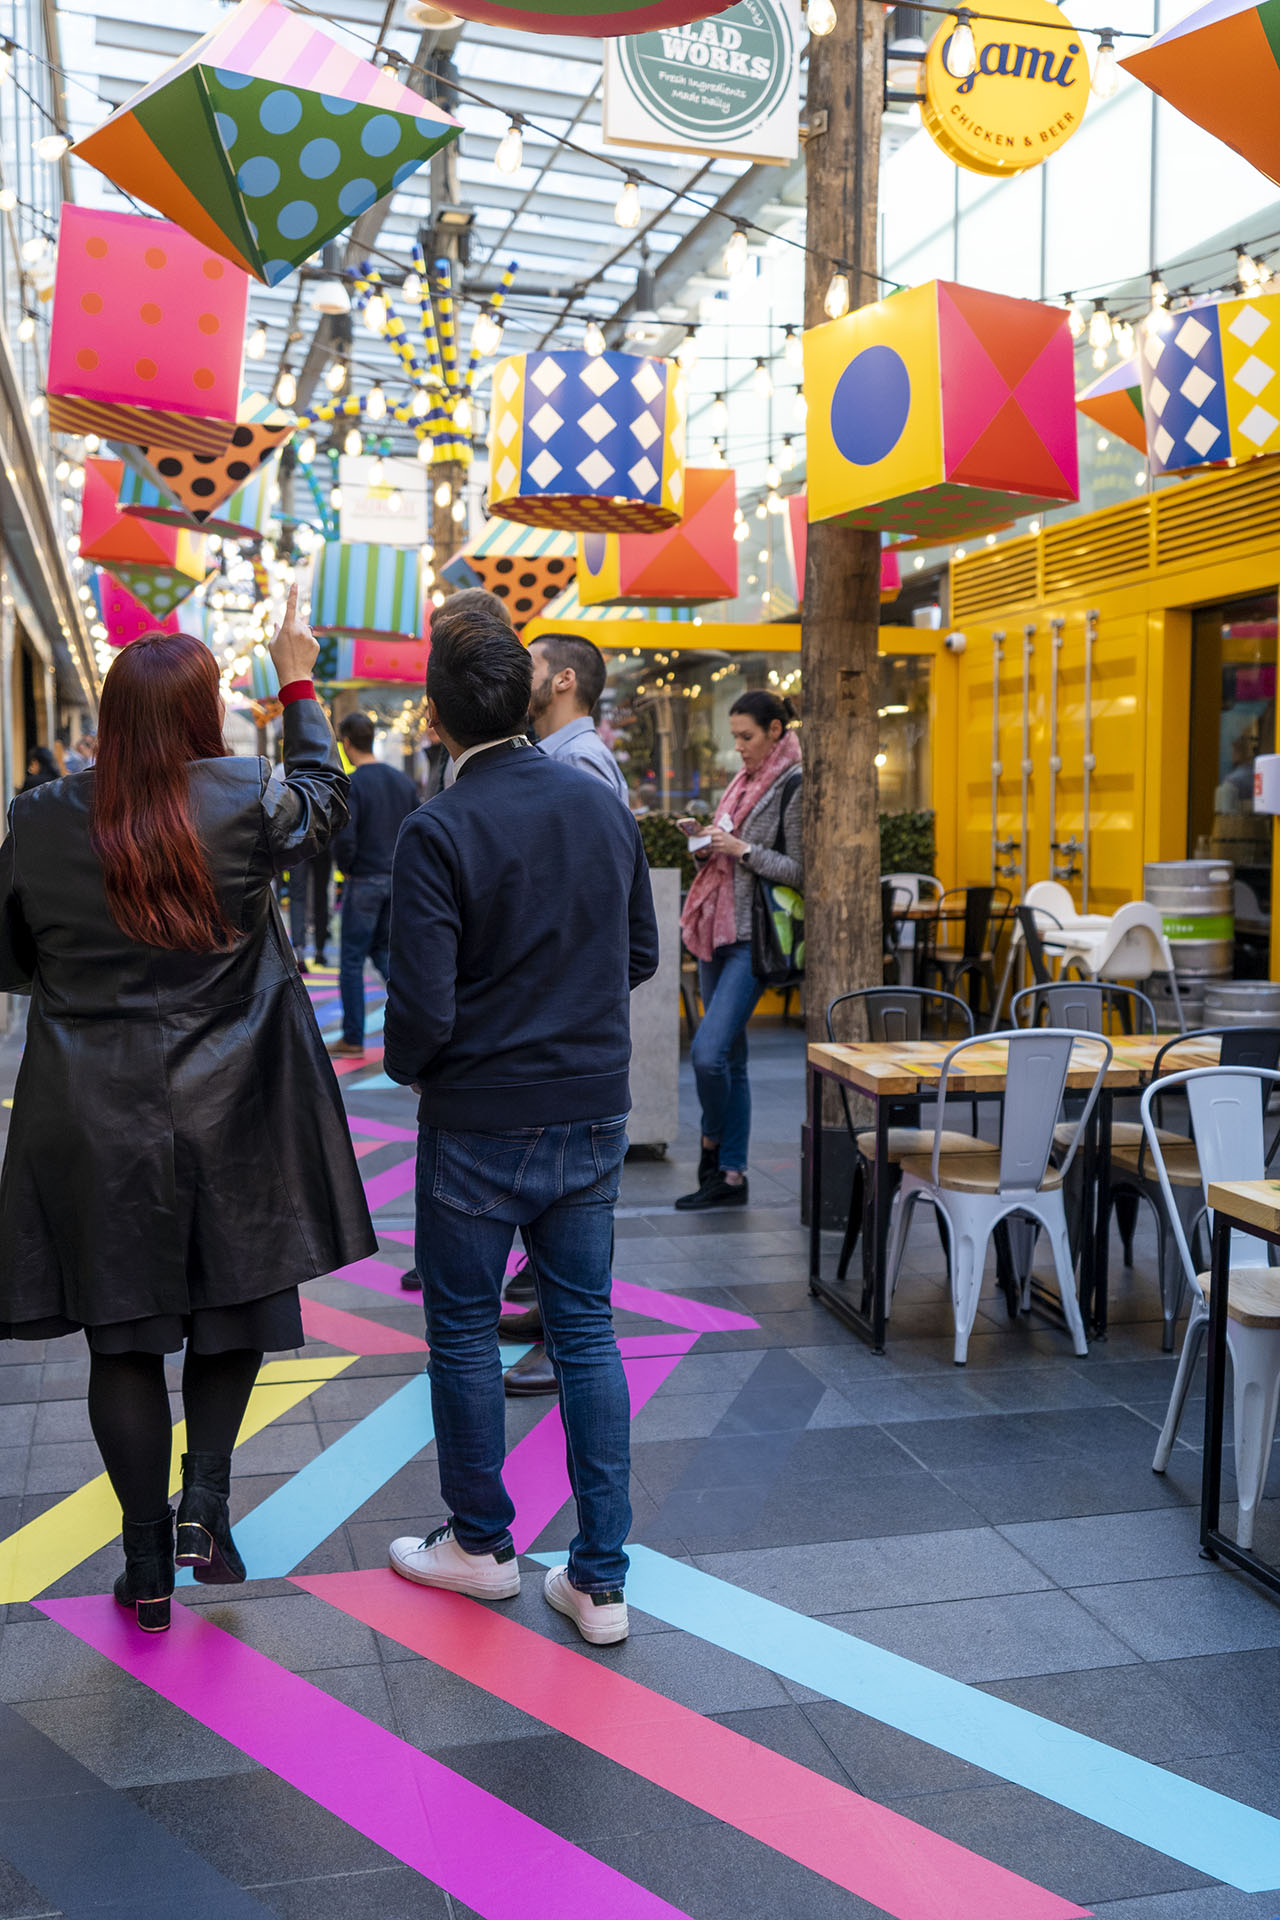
[757, 832]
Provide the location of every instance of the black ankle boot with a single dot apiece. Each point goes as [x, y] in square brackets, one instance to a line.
[708, 1164]
[204, 1521]
[147, 1581]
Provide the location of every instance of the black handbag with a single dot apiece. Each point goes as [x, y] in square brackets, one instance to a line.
[777, 917]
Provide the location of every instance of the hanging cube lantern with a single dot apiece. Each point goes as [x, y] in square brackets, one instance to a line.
[161, 589]
[125, 618]
[367, 593]
[392, 663]
[568, 607]
[333, 662]
[266, 138]
[795, 533]
[244, 516]
[1221, 67]
[696, 561]
[524, 566]
[564, 16]
[147, 339]
[589, 442]
[1114, 401]
[198, 483]
[157, 565]
[1210, 390]
[939, 411]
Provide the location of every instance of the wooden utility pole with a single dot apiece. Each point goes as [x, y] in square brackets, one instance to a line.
[842, 573]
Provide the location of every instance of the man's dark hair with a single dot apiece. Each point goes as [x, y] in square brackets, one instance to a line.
[479, 676]
[471, 600]
[357, 731]
[584, 656]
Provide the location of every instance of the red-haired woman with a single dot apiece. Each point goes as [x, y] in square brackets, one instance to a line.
[178, 1160]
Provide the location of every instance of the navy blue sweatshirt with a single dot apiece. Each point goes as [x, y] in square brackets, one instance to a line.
[381, 796]
[521, 917]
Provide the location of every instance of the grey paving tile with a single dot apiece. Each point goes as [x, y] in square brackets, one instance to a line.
[788, 1731]
[1205, 1903]
[435, 1710]
[17, 1424]
[253, 1827]
[1103, 1548]
[19, 1900]
[712, 1372]
[839, 1576]
[13, 1470]
[296, 1630]
[1251, 1778]
[19, 1383]
[992, 1639]
[131, 1737]
[386, 1893]
[843, 1508]
[680, 1416]
[1168, 1619]
[713, 1873]
[1139, 1709]
[572, 1790]
[1065, 1488]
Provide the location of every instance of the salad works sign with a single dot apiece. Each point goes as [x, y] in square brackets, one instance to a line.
[1024, 100]
[729, 85]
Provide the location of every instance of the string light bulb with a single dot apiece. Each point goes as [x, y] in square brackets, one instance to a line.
[375, 405]
[51, 146]
[1105, 77]
[27, 328]
[1076, 322]
[459, 512]
[375, 313]
[773, 476]
[287, 387]
[800, 407]
[424, 451]
[835, 301]
[719, 414]
[420, 405]
[717, 454]
[8, 199]
[1122, 334]
[776, 503]
[1100, 358]
[510, 155]
[462, 414]
[737, 252]
[792, 347]
[307, 450]
[412, 288]
[741, 531]
[257, 346]
[822, 18]
[6, 60]
[335, 497]
[354, 442]
[486, 335]
[444, 494]
[762, 379]
[1099, 326]
[626, 213]
[687, 355]
[336, 376]
[593, 341]
[960, 54]
[378, 472]
[787, 458]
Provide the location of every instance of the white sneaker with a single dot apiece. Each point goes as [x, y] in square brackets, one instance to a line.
[438, 1561]
[600, 1618]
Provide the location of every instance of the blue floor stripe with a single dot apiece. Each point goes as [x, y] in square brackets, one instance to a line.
[1205, 1830]
[376, 1083]
[373, 1019]
[292, 1522]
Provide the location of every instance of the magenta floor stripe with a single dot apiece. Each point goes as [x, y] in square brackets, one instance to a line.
[485, 1853]
[378, 1129]
[391, 1184]
[536, 1476]
[680, 1312]
[379, 1276]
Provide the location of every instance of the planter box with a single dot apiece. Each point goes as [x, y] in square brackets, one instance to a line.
[655, 1027]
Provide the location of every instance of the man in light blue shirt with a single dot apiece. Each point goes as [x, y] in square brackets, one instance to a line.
[568, 680]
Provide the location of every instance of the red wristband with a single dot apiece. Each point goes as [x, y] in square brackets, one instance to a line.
[297, 690]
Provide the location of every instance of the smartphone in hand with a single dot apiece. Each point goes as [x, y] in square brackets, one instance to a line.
[697, 836]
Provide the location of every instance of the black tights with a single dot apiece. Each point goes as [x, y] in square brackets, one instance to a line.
[129, 1414]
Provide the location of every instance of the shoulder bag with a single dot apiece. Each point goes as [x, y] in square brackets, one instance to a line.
[777, 917]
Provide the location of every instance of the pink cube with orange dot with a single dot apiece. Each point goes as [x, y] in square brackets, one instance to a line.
[147, 342]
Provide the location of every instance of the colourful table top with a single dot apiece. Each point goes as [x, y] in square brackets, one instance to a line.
[894, 1070]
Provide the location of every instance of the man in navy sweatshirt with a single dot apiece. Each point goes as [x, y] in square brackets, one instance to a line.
[521, 918]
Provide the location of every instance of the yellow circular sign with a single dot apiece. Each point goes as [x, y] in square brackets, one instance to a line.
[1025, 98]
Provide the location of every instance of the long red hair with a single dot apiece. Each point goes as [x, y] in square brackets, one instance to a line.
[160, 709]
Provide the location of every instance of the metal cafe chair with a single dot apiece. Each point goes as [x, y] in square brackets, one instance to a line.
[895, 904]
[977, 1192]
[984, 912]
[1029, 923]
[1132, 1172]
[1228, 1129]
[896, 1014]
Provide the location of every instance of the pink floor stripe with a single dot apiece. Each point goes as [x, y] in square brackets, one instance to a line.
[378, 1129]
[372, 1058]
[392, 1184]
[648, 1346]
[535, 1474]
[478, 1849]
[880, 1856]
[365, 1147]
[353, 1332]
[378, 1275]
[680, 1312]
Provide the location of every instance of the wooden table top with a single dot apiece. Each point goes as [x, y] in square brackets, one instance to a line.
[894, 1070]
[1253, 1203]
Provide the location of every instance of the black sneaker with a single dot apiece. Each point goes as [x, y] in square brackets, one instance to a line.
[717, 1190]
[411, 1280]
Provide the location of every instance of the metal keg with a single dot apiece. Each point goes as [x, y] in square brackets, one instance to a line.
[1196, 899]
[1160, 994]
[1242, 1003]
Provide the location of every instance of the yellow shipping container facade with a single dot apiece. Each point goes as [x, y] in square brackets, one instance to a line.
[1067, 711]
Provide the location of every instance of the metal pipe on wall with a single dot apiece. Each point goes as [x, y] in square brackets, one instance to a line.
[1055, 757]
[1090, 639]
[1028, 648]
[997, 655]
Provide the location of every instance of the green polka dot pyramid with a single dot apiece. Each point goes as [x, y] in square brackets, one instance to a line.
[267, 138]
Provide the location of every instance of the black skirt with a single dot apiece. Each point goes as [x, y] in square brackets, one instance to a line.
[270, 1325]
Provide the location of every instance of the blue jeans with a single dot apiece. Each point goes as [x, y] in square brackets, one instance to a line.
[730, 991]
[366, 929]
[560, 1185]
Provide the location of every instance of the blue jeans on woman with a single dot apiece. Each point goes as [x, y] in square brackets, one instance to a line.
[730, 992]
[560, 1185]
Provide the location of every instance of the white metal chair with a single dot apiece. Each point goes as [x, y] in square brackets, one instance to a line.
[1130, 946]
[1227, 1105]
[920, 887]
[975, 1192]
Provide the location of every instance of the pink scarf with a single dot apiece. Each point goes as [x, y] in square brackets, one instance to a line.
[708, 920]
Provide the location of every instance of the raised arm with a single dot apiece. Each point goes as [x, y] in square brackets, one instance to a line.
[306, 809]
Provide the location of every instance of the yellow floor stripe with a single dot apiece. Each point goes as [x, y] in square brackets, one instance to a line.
[40, 1553]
